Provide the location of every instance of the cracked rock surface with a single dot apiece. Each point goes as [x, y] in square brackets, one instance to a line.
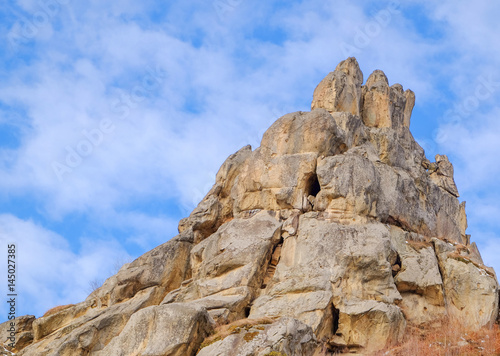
[337, 230]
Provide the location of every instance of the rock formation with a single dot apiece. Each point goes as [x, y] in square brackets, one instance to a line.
[333, 235]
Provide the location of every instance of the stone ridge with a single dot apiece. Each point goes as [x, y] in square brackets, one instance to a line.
[336, 234]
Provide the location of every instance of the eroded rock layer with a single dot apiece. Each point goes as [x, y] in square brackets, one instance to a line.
[337, 230]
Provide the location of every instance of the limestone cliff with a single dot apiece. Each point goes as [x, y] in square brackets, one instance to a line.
[335, 234]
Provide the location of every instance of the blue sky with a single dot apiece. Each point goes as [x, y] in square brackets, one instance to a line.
[115, 116]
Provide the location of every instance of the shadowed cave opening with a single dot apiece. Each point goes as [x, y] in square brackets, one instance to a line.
[333, 347]
[312, 185]
[335, 318]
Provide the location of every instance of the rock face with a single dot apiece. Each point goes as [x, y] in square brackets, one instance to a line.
[337, 230]
[287, 336]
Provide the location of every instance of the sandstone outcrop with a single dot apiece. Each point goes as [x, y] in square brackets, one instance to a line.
[337, 228]
[287, 336]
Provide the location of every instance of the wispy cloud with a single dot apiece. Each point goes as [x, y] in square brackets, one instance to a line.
[49, 272]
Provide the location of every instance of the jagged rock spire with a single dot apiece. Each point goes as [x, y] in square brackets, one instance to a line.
[377, 103]
[340, 91]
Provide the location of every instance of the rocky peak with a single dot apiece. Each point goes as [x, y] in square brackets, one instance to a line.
[377, 103]
[336, 234]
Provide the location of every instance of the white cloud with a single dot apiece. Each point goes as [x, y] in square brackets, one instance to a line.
[49, 273]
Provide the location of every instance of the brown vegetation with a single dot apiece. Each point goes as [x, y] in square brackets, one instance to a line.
[446, 338]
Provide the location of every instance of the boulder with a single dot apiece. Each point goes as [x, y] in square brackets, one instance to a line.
[471, 289]
[286, 336]
[88, 332]
[166, 266]
[326, 270]
[228, 268]
[418, 278]
[167, 330]
[23, 326]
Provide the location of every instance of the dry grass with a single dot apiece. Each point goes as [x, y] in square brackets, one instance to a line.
[418, 245]
[57, 309]
[447, 338]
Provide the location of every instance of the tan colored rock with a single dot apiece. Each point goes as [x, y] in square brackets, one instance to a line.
[418, 279]
[385, 106]
[229, 267]
[236, 255]
[376, 101]
[355, 132]
[46, 325]
[89, 332]
[409, 105]
[471, 290]
[369, 325]
[463, 220]
[304, 132]
[355, 187]
[94, 322]
[349, 186]
[340, 91]
[23, 335]
[442, 175]
[217, 206]
[286, 336]
[166, 266]
[473, 253]
[5, 352]
[167, 330]
[291, 225]
[398, 149]
[274, 183]
[329, 266]
[224, 307]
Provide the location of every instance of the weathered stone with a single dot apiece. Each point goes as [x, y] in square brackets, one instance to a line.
[291, 225]
[229, 267]
[409, 105]
[275, 183]
[443, 175]
[471, 290]
[369, 325]
[226, 306]
[217, 206]
[354, 187]
[385, 106]
[89, 332]
[167, 330]
[328, 266]
[23, 334]
[340, 91]
[166, 266]
[237, 255]
[418, 280]
[286, 336]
